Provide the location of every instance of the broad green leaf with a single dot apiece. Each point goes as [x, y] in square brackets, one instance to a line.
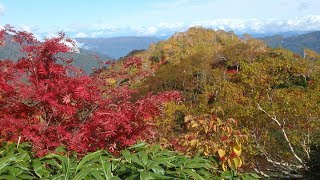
[6, 160]
[64, 161]
[97, 175]
[133, 177]
[26, 176]
[160, 160]
[87, 158]
[8, 177]
[140, 145]
[158, 170]
[144, 157]
[227, 175]
[39, 169]
[14, 170]
[193, 165]
[132, 158]
[192, 174]
[148, 175]
[82, 174]
[106, 168]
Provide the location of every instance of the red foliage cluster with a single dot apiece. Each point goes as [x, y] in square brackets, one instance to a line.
[50, 104]
[232, 71]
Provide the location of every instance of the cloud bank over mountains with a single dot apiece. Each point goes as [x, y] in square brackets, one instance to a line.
[160, 18]
[240, 26]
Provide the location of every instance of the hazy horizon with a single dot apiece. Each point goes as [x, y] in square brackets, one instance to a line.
[158, 18]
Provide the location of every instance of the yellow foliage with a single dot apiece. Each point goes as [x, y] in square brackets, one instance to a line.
[110, 81]
[221, 153]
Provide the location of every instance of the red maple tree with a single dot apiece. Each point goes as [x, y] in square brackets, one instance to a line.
[51, 104]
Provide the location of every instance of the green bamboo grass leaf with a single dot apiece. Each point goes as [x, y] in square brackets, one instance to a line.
[8, 177]
[22, 167]
[88, 158]
[132, 158]
[143, 157]
[133, 177]
[65, 163]
[140, 145]
[26, 176]
[7, 160]
[196, 164]
[106, 168]
[227, 175]
[39, 169]
[82, 174]
[63, 160]
[158, 170]
[192, 174]
[14, 170]
[58, 177]
[97, 175]
[145, 175]
[52, 162]
[159, 160]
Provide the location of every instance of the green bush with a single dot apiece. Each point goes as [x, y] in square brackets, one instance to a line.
[141, 161]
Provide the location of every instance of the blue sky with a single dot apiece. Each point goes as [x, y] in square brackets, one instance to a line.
[108, 18]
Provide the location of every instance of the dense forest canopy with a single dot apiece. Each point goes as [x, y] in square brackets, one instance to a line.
[272, 93]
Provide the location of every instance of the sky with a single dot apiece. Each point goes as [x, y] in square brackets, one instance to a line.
[113, 18]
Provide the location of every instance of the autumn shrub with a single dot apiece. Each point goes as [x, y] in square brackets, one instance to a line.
[52, 104]
[205, 133]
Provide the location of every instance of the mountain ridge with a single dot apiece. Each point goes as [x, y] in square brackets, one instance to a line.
[116, 47]
[296, 43]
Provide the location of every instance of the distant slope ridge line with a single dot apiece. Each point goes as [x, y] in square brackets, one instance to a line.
[86, 59]
[116, 47]
[295, 43]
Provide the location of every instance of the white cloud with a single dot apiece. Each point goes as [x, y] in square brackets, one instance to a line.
[145, 31]
[96, 34]
[2, 9]
[306, 23]
[165, 25]
[81, 35]
[240, 26]
[250, 25]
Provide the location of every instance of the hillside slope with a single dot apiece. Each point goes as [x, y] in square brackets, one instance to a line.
[86, 59]
[295, 43]
[116, 47]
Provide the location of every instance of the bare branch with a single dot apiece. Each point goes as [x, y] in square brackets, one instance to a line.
[284, 134]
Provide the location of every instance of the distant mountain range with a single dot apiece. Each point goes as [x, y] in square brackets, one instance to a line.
[85, 59]
[295, 43]
[120, 46]
[116, 47]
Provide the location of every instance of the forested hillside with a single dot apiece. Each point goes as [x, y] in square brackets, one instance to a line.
[271, 93]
